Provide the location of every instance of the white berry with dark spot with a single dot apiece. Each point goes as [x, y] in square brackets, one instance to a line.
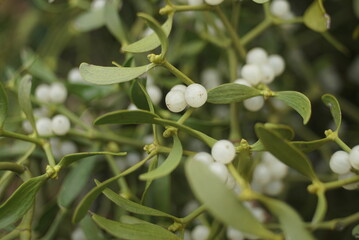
[175, 101]
[195, 95]
[223, 151]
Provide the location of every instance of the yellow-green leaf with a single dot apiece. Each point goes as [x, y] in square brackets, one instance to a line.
[231, 92]
[298, 101]
[114, 22]
[3, 105]
[334, 107]
[126, 117]
[109, 75]
[90, 20]
[309, 146]
[24, 94]
[316, 18]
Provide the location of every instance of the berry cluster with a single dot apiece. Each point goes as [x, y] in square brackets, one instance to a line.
[54, 93]
[194, 95]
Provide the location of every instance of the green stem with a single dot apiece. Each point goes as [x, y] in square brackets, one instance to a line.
[238, 45]
[186, 115]
[49, 155]
[342, 144]
[193, 214]
[336, 224]
[242, 183]
[25, 226]
[266, 23]
[10, 166]
[12, 235]
[19, 136]
[340, 183]
[182, 8]
[177, 72]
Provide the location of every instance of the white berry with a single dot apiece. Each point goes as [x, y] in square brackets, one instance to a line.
[251, 73]
[60, 125]
[254, 104]
[256, 56]
[195, 95]
[42, 93]
[68, 147]
[203, 157]
[223, 151]
[279, 8]
[26, 126]
[351, 186]
[267, 73]
[175, 101]
[155, 94]
[210, 78]
[179, 87]
[234, 234]
[274, 188]
[277, 63]
[242, 82]
[74, 76]
[354, 157]
[213, 2]
[277, 169]
[220, 170]
[98, 4]
[200, 232]
[339, 162]
[43, 126]
[261, 174]
[58, 93]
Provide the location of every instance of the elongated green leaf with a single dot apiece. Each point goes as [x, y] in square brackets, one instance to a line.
[170, 164]
[126, 117]
[138, 97]
[292, 225]
[143, 231]
[134, 207]
[152, 23]
[231, 92]
[109, 75]
[207, 139]
[316, 18]
[79, 175]
[151, 41]
[221, 201]
[114, 22]
[355, 231]
[91, 230]
[86, 202]
[298, 101]
[285, 151]
[334, 107]
[309, 146]
[70, 158]
[24, 94]
[260, 1]
[20, 201]
[3, 105]
[90, 20]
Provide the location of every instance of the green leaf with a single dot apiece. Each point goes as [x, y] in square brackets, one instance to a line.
[91, 230]
[285, 151]
[356, 7]
[109, 75]
[20, 201]
[231, 92]
[90, 20]
[3, 105]
[70, 158]
[79, 175]
[134, 207]
[170, 164]
[114, 22]
[316, 18]
[126, 117]
[292, 225]
[221, 202]
[86, 202]
[139, 96]
[333, 104]
[143, 231]
[24, 94]
[151, 41]
[260, 1]
[298, 101]
[310, 146]
[152, 23]
[355, 231]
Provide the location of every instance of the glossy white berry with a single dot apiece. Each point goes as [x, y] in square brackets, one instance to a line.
[277, 169]
[254, 104]
[42, 93]
[279, 8]
[354, 157]
[234, 234]
[267, 73]
[195, 2]
[257, 56]
[213, 2]
[68, 147]
[210, 78]
[74, 76]
[43, 126]
[60, 125]
[175, 101]
[339, 162]
[242, 82]
[78, 234]
[132, 106]
[200, 232]
[251, 73]
[26, 126]
[58, 93]
[220, 170]
[274, 188]
[155, 94]
[179, 87]
[195, 95]
[203, 157]
[98, 4]
[261, 174]
[277, 63]
[351, 186]
[223, 151]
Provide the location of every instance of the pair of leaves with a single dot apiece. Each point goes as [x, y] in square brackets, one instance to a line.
[20, 201]
[316, 18]
[221, 202]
